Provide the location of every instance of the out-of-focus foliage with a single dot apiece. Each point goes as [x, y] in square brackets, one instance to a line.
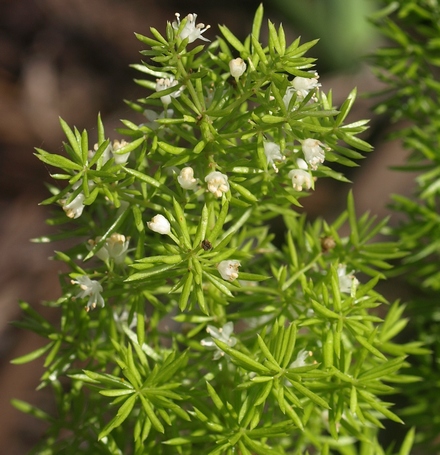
[410, 68]
[345, 36]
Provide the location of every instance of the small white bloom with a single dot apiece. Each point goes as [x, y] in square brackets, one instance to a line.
[160, 225]
[111, 151]
[91, 289]
[152, 116]
[273, 153]
[106, 155]
[302, 164]
[186, 179]
[288, 96]
[347, 282]
[313, 152]
[191, 30]
[120, 158]
[301, 179]
[164, 84]
[217, 183]
[229, 269]
[115, 247]
[210, 92]
[325, 419]
[237, 67]
[301, 358]
[75, 208]
[303, 85]
[222, 334]
[125, 319]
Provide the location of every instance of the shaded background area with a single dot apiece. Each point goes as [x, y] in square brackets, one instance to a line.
[71, 59]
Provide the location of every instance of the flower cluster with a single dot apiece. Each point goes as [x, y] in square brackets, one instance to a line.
[314, 154]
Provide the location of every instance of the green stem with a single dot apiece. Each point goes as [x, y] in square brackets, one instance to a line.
[190, 86]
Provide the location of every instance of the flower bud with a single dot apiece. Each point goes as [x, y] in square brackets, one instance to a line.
[160, 225]
[186, 179]
[237, 67]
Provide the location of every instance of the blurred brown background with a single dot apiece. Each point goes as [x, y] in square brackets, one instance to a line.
[71, 59]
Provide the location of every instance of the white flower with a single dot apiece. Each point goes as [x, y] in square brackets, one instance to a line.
[112, 151]
[75, 208]
[115, 247]
[164, 84]
[125, 319]
[91, 289]
[301, 358]
[273, 152]
[152, 116]
[347, 282]
[303, 85]
[186, 179]
[313, 152]
[106, 155]
[191, 30]
[301, 179]
[160, 225]
[120, 158]
[217, 183]
[288, 96]
[222, 334]
[237, 67]
[229, 269]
